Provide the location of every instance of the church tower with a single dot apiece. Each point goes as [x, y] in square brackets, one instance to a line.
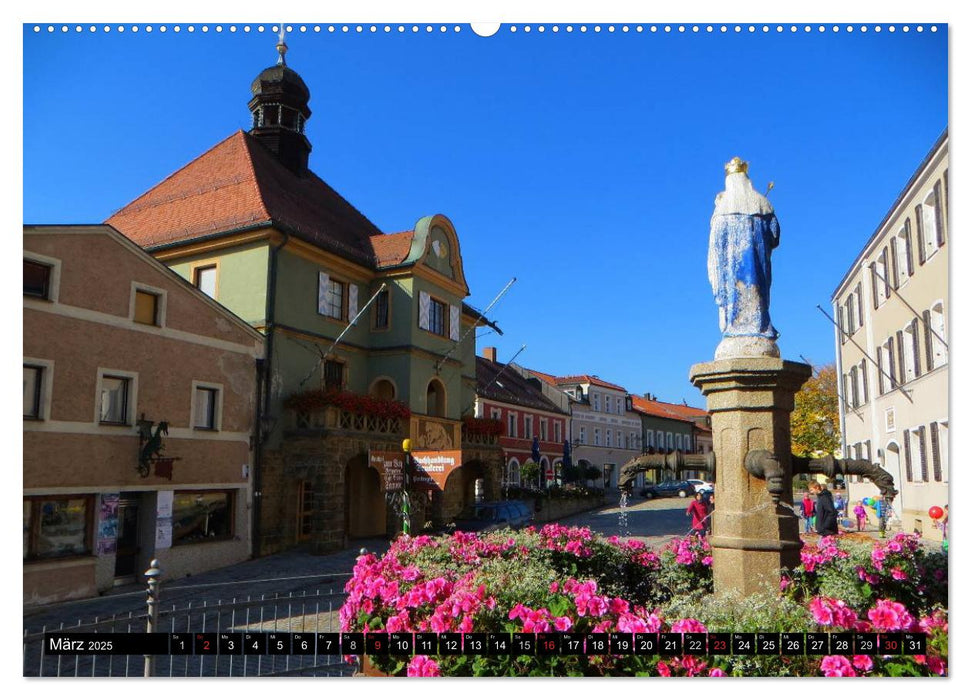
[280, 112]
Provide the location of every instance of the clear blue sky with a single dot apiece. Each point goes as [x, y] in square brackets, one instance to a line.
[583, 164]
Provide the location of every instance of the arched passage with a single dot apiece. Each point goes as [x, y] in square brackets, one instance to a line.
[364, 506]
[460, 487]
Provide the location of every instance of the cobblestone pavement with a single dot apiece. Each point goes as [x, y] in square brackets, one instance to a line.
[653, 521]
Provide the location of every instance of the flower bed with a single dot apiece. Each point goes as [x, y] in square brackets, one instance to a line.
[568, 580]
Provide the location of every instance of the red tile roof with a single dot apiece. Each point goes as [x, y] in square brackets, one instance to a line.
[588, 379]
[659, 409]
[391, 249]
[239, 183]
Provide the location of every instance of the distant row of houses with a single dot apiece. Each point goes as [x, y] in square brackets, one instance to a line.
[228, 366]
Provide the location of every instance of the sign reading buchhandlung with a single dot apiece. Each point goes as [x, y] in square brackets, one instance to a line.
[432, 469]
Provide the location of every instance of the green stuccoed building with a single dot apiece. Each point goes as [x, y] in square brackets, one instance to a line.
[252, 226]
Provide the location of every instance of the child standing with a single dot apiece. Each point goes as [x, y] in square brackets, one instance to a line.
[808, 512]
[861, 516]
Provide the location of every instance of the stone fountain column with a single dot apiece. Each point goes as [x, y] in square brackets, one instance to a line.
[750, 399]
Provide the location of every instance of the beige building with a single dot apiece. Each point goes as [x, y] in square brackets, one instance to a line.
[892, 347]
[116, 345]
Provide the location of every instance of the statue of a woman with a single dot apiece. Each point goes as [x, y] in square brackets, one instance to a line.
[744, 230]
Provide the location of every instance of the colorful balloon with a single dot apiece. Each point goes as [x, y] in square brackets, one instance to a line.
[868, 502]
[936, 512]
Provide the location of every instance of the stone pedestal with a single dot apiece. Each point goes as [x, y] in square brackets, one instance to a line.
[750, 399]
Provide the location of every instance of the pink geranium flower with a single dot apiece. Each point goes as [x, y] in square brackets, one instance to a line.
[663, 669]
[890, 615]
[838, 666]
[424, 667]
[863, 663]
[716, 672]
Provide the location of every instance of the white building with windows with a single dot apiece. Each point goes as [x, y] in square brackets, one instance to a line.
[892, 347]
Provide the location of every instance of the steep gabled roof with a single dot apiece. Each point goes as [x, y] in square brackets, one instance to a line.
[239, 183]
[494, 381]
[588, 379]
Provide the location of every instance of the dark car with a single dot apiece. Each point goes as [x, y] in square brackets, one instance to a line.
[668, 488]
[492, 515]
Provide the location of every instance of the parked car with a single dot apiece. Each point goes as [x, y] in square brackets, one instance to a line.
[702, 486]
[668, 488]
[492, 515]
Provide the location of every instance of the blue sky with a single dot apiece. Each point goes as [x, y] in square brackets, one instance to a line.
[584, 164]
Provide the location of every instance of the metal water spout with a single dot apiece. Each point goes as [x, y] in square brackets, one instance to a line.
[830, 467]
[675, 462]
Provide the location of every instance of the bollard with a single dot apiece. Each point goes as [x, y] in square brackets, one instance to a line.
[154, 574]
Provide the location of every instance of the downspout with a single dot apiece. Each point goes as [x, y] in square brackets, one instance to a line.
[263, 402]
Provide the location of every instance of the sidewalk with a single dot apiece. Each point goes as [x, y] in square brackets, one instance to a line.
[276, 574]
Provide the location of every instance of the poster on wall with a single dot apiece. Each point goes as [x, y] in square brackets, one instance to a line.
[163, 533]
[163, 504]
[108, 523]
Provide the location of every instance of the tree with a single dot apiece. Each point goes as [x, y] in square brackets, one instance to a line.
[815, 418]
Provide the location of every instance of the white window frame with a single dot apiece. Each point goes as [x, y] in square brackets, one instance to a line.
[596, 402]
[929, 222]
[596, 437]
[900, 244]
[544, 430]
[217, 409]
[938, 327]
[557, 431]
[910, 356]
[495, 413]
[608, 437]
[583, 435]
[132, 408]
[46, 387]
[161, 305]
[528, 427]
[512, 467]
[512, 424]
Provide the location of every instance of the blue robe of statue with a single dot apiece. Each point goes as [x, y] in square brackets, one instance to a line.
[741, 248]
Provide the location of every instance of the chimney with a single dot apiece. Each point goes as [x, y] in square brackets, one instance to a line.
[489, 354]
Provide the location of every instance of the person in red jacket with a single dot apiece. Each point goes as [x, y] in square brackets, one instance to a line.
[808, 512]
[698, 510]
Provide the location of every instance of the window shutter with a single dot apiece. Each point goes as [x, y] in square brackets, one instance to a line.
[424, 302]
[908, 249]
[900, 358]
[947, 206]
[880, 378]
[922, 450]
[938, 213]
[351, 301]
[873, 284]
[894, 276]
[453, 322]
[886, 280]
[928, 342]
[866, 393]
[936, 451]
[919, 216]
[916, 348]
[908, 466]
[891, 365]
[323, 289]
[869, 453]
[859, 304]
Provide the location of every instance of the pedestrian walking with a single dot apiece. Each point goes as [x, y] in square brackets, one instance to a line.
[808, 512]
[825, 511]
[861, 517]
[698, 510]
[883, 514]
[839, 504]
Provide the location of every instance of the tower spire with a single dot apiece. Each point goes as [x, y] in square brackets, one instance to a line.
[281, 45]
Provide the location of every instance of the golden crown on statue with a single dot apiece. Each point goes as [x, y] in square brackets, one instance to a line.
[736, 165]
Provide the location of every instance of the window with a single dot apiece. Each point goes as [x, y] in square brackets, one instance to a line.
[512, 473]
[909, 352]
[201, 516]
[382, 309]
[205, 404]
[333, 374]
[33, 377]
[864, 392]
[528, 427]
[437, 316]
[650, 438]
[305, 510]
[512, 432]
[543, 430]
[37, 279]
[146, 308]
[596, 402]
[851, 314]
[583, 435]
[936, 461]
[935, 340]
[687, 443]
[334, 300]
[859, 305]
[557, 431]
[204, 277]
[596, 436]
[114, 400]
[660, 440]
[435, 398]
[57, 527]
[609, 438]
[495, 413]
[905, 257]
[677, 441]
[670, 441]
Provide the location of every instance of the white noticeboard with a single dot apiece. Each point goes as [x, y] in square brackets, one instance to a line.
[163, 506]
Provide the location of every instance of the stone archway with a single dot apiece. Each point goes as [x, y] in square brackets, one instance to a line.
[365, 514]
[460, 487]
